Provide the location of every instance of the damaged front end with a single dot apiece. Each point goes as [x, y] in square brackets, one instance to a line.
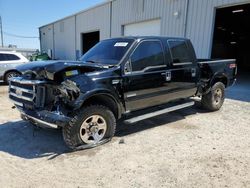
[44, 102]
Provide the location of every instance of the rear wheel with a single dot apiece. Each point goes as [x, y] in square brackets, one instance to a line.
[89, 127]
[10, 75]
[215, 98]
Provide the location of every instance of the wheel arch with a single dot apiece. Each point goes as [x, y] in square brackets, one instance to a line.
[10, 70]
[105, 99]
[220, 77]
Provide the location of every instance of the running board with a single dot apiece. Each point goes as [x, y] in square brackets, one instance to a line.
[159, 112]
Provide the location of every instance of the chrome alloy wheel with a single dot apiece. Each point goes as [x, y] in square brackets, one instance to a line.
[93, 129]
[217, 96]
[11, 75]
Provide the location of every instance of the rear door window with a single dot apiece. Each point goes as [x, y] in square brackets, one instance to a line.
[179, 52]
[12, 57]
[148, 54]
[8, 57]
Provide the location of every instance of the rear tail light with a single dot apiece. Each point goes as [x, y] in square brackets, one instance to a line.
[232, 66]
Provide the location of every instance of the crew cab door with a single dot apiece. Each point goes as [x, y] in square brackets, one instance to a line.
[183, 68]
[144, 80]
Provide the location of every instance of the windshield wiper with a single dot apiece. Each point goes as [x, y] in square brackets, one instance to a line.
[107, 66]
[100, 64]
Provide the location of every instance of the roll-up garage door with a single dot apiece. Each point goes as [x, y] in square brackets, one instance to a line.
[152, 27]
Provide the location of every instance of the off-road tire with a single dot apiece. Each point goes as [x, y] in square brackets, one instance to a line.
[213, 101]
[71, 131]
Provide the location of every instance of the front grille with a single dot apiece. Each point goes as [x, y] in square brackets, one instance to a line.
[27, 93]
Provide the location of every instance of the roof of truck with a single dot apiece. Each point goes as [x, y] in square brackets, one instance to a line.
[149, 37]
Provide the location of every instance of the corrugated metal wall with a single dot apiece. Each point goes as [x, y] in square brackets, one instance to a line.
[46, 38]
[96, 19]
[64, 39]
[132, 11]
[193, 19]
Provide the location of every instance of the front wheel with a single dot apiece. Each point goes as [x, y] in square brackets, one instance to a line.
[89, 127]
[215, 98]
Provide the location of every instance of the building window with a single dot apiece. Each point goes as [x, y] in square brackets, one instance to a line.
[138, 6]
[61, 27]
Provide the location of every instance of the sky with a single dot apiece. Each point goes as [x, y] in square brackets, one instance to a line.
[24, 17]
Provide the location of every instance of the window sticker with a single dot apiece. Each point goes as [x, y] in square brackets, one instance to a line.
[121, 44]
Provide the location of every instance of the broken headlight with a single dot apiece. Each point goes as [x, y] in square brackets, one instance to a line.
[69, 91]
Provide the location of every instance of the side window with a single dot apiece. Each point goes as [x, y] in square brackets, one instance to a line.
[3, 57]
[179, 51]
[12, 57]
[147, 54]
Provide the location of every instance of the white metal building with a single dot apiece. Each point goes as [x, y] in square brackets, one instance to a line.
[217, 28]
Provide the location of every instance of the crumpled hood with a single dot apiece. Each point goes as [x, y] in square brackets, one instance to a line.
[49, 68]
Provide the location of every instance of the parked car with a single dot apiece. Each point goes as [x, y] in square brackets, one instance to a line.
[116, 77]
[8, 63]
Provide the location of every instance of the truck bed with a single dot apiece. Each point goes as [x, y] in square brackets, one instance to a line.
[216, 60]
[210, 68]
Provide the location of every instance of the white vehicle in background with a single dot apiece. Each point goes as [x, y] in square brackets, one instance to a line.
[8, 63]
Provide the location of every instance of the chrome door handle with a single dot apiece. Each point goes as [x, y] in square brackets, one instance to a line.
[193, 72]
[168, 75]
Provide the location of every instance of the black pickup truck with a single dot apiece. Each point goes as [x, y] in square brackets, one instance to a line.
[117, 76]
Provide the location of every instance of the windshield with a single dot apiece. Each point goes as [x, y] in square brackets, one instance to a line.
[108, 52]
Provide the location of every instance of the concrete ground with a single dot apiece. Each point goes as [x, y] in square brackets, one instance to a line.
[188, 148]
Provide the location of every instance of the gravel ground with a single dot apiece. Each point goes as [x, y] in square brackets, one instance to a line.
[188, 148]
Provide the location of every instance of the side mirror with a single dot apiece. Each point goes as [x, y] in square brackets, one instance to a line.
[127, 67]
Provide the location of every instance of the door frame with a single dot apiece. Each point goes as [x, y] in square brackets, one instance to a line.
[214, 20]
[142, 72]
[86, 32]
[133, 50]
